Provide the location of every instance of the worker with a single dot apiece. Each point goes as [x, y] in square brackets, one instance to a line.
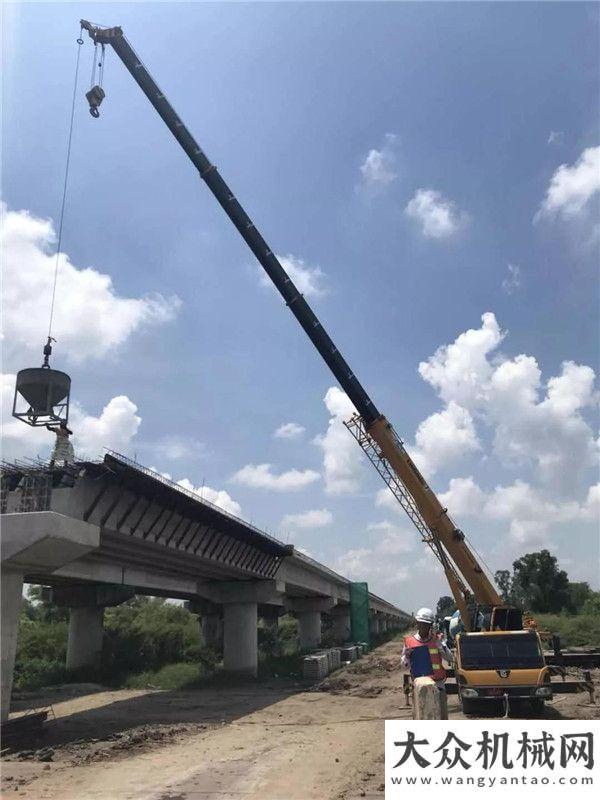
[63, 449]
[426, 636]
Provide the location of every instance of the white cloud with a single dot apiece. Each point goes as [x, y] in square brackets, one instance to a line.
[392, 539]
[439, 217]
[304, 551]
[174, 448]
[307, 279]
[550, 433]
[572, 187]
[261, 476]
[341, 456]
[444, 437]
[513, 280]
[379, 167]
[218, 497]
[460, 371]
[315, 518]
[114, 428]
[529, 513]
[289, 430]
[384, 563]
[90, 318]
[556, 137]
[464, 498]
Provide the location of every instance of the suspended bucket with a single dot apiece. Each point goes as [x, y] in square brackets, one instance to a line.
[42, 396]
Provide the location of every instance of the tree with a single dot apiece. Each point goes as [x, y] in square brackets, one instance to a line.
[538, 584]
[445, 607]
[578, 594]
[47, 611]
[504, 582]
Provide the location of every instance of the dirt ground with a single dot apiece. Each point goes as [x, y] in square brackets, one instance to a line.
[271, 740]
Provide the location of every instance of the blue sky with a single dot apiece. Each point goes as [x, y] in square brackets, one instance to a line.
[398, 154]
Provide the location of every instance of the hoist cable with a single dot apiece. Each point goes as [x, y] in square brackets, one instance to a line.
[64, 193]
[94, 64]
[101, 66]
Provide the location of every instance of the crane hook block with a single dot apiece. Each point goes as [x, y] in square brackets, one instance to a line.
[94, 97]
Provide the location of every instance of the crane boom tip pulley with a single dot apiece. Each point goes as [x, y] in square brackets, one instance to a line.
[99, 36]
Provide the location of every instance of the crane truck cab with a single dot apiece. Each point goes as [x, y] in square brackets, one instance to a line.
[496, 665]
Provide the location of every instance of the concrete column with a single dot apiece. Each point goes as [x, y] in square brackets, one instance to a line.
[211, 629]
[383, 625]
[341, 624]
[84, 645]
[11, 597]
[308, 610]
[240, 646]
[309, 629]
[374, 625]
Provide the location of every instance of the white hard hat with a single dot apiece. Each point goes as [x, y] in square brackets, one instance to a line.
[425, 615]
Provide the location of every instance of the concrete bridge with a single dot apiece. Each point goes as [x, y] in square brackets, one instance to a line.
[97, 533]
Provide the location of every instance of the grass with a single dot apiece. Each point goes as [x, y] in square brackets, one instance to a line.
[575, 630]
[172, 676]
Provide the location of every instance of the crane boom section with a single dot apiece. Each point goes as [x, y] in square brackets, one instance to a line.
[268, 260]
[378, 428]
[434, 514]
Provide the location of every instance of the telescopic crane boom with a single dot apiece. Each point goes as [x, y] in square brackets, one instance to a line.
[371, 429]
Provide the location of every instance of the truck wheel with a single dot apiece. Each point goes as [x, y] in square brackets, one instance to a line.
[537, 706]
[468, 706]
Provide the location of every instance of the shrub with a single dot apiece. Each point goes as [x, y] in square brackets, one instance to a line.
[272, 666]
[574, 631]
[41, 653]
[592, 604]
[145, 635]
[37, 672]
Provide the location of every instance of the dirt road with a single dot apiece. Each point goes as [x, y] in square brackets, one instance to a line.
[275, 740]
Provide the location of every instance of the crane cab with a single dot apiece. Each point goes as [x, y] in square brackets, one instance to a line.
[497, 665]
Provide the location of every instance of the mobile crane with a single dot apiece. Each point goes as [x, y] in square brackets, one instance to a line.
[476, 598]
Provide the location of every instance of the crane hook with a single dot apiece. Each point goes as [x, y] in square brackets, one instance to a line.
[94, 97]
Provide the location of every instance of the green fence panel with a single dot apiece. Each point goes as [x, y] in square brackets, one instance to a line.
[359, 612]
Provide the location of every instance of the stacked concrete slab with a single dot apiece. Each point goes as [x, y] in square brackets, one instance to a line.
[316, 667]
[350, 653]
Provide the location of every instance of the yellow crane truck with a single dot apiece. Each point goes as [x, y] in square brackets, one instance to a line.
[505, 658]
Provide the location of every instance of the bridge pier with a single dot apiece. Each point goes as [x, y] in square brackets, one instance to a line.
[308, 610]
[29, 541]
[374, 625]
[240, 640]
[84, 645]
[309, 629]
[341, 624]
[211, 630]
[11, 597]
[86, 605]
[210, 619]
[240, 600]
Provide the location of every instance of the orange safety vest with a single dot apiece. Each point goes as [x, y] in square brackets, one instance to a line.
[439, 673]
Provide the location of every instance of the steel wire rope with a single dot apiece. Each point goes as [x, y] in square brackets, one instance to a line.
[65, 184]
